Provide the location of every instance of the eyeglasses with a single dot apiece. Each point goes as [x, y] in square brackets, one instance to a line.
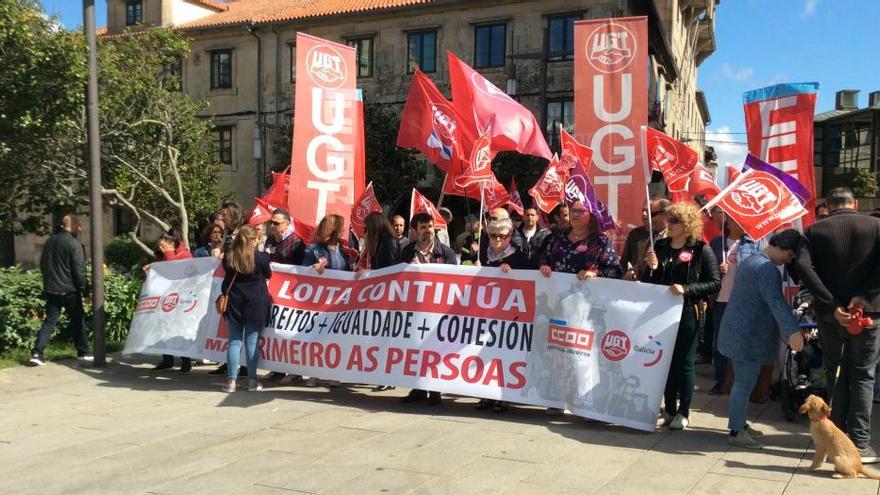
[673, 221]
[273, 222]
[576, 211]
[499, 237]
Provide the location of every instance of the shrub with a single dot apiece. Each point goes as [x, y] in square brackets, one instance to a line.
[122, 254]
[22, 307]
[864, 183]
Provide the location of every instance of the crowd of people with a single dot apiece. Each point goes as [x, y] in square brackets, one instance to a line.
[735, 313]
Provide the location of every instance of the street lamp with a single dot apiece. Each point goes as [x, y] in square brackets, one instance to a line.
[96, 222]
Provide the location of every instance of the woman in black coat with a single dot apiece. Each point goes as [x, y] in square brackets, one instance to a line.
[248, 303]
[688, 266]
[381, 248]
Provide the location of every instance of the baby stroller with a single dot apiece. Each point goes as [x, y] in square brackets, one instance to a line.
[802, 373]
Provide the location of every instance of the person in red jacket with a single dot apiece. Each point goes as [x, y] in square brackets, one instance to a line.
[171, 247]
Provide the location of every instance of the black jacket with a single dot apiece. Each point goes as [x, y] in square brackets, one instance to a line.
[517, 260]
[249, 296]
[699, 275]
[387, 252]
[289, 251]
[535, 245]
[63, 264]
[841, 259]
[441, 253]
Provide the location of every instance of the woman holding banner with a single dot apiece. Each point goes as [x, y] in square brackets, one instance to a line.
[170, 248]
[380, 244]
[688, 266]
[328, 252]
[247, 306]
[580, 249]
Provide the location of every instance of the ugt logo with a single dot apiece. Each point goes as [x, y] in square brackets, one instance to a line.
[326, 67]
[755, 197]
[611, 48]
[615, 345]
[442, 131]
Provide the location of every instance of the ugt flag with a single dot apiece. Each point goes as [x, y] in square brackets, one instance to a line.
[480, 167]
[759, 202]
[420, 204]
[515, 198]
[549, 191]
[579, 188]
[702, 182]
[803, 194]
[779, 124]
[674, 159]
[481, 102]
[365, 205]
[573, 152]
[431, 124]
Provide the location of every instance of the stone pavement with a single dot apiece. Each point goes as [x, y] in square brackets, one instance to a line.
[71, 429]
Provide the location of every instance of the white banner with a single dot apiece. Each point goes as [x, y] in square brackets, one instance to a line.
[600, 349]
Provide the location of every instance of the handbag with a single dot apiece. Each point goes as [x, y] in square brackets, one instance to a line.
[223, 299]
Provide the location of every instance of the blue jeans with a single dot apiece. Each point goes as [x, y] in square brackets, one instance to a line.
[745, 375]
[73, 305]
[251, 335]
[719, 361]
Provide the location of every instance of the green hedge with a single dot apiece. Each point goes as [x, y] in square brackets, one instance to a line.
[22, 307]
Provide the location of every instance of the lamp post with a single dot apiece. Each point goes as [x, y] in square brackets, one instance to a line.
[95, 205]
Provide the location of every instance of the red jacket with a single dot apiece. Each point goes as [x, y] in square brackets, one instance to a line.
[182, 253]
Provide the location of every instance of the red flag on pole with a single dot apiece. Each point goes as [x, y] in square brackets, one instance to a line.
[759, 202]
[703, 182]
[262, 212]
[279, 191]
[480, 102]
[550, 188]
[573, 152]
[365, 205]
[431, 124]
[480, 167]
[674, 159]
[515, 198]
[421, 204]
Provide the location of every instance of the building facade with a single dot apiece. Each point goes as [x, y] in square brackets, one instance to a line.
[847, 143]
[242, 59]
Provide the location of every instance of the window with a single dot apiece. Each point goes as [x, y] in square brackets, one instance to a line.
[221, 69]
[223, 146]
[560, 30]
[489, 46]
[559, 112]
[422, 52]
[364, 47]
[291, 48]
[134, 13]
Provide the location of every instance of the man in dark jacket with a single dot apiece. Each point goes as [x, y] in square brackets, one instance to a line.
[840, 265]
[533, 236]
[283, 245]
[425, 249]
[64, 281]
[632, 258]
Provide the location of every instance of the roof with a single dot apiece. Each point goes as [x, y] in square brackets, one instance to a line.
[268, 11]
[834, 114]
[216, 5]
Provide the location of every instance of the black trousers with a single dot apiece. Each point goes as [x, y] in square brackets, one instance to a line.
[72, 304]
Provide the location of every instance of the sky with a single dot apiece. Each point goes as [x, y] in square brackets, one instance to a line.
[759, 43]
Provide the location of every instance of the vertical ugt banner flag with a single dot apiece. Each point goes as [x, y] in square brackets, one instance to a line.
[779, 124]
[326, 131]
[611, 103]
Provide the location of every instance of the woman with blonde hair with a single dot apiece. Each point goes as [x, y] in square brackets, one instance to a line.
[328, 252]
[688, 266]
[247, 309]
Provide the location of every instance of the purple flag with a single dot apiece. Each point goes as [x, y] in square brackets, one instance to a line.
[579, 188]
[799, 190]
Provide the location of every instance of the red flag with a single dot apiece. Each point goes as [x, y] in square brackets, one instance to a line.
[703, 182]
[434, 126]
[305, 232]
[262, 212]
[421, 204]
[279, 191]
[675, 159]
[515, 198]
[550, 188]
[451, 189]
[759, 202]
[496, 195]
[573, 153]
[732, 173]
[480, 167]
[365, 205]
[481, 102]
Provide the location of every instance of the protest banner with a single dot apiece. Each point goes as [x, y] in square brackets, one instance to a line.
[326, 132]
[599, 348]
[174, 307]
[611, 102]
[779, 127]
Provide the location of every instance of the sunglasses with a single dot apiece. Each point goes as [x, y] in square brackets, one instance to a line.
[273, 222]
[673, 221]
[655, 213]
[499, 237]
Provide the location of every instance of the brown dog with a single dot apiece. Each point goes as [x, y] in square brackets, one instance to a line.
[832, 442]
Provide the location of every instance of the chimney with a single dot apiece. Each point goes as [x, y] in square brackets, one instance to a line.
[847, 99]
[874, 99]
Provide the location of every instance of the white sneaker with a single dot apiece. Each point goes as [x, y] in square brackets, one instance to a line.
[229, 387]
[254, 386]
[679, 422]
[745, 440]
[88, 358]
[756, 434]
[311, 382]
[37, 360]
[665, 418]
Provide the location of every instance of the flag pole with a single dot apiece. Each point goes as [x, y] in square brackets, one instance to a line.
[723, 238]
[644, 138]
[480, 223]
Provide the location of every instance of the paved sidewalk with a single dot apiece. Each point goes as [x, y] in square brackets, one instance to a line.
[70, 429]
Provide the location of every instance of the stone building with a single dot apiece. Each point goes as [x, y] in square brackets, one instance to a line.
[243, 56]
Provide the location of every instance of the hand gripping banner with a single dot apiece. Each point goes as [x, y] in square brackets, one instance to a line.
[599, 348]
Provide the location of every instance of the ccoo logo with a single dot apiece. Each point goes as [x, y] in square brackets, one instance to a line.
[611, 48]
[756, 196]
[615, 345]
[326, 67]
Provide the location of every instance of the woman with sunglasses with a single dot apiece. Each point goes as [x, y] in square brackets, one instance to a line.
[502, 254]
[688, 266]
[581, 248]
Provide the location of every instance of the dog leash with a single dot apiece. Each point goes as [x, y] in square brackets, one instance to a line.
[837, 373]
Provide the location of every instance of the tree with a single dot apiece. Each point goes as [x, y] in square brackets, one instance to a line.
[156, 149]
[394, 171]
